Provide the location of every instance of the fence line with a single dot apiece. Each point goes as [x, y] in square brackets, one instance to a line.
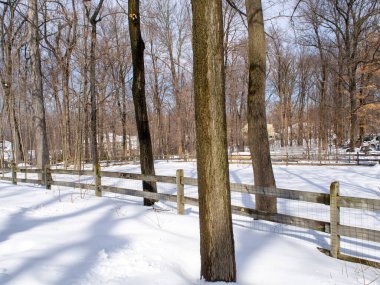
[333, 200]
[298, 158]
[303, 159]
[342, 159]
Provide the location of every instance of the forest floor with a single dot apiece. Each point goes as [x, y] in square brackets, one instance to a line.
[67, 236]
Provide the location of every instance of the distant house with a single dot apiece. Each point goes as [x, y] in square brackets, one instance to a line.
[295, 127]
[111, 140]
[6, 150]
[271, 133]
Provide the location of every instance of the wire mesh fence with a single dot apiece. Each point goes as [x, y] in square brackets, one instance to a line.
[354, 225]
[299, 219]
[360, 228]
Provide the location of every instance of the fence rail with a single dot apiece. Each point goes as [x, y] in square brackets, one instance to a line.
[298, 158]
[333, 200]
[302, 158]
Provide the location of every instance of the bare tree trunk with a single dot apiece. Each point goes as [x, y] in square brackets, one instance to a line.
[100, 125]
[6, 36]
[93, 120]
[157, 102]
[124, 113]
[157, 121]
[353, 106]
[339, 103]
[300, 134]
[19, 154]
[42, 148]
[79, 136]
[85, 96]
[322, 127]
[177, 97]
[217, 243]
[289, 126]
[257, 126]
[66, 115]
[301, 100]
[362, 101]
[86, 117]
[139, 100]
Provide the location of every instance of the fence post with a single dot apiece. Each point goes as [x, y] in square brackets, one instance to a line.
[47, 177]
[180, 192]
[98, 180]
[14, 172]
[357, 158]
[334, 219]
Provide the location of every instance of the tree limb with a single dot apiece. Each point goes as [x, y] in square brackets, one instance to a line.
[233, 5]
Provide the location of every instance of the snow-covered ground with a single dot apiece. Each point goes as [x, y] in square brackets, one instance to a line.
[65, 236]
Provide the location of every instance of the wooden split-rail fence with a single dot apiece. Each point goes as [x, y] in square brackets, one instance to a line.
[333, 200]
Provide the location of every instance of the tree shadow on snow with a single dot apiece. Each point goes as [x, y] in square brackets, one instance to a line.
[86, 251]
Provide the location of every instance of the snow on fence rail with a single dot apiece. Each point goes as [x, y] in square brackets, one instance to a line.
[347, 242]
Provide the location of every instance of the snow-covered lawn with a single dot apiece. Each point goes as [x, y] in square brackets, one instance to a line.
[361, 181]
[64, 236]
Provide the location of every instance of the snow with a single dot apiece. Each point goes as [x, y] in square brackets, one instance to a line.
[358, 181]
[64, 236]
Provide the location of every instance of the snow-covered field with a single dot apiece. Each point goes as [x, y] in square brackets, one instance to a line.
[65, 236]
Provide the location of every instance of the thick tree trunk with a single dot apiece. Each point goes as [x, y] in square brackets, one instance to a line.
[217, 243]
[257, 126]
[42, 149]
[139, 100]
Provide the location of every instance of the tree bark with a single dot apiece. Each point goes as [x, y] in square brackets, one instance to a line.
[139, 100]
[216, 234]
[257, 125]
[353, 105]
[7, 34]
[93, 95]
[42, 148]
[66, 114]
[157, 101]
[93, 117]
[124, 113]
[86, 151]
